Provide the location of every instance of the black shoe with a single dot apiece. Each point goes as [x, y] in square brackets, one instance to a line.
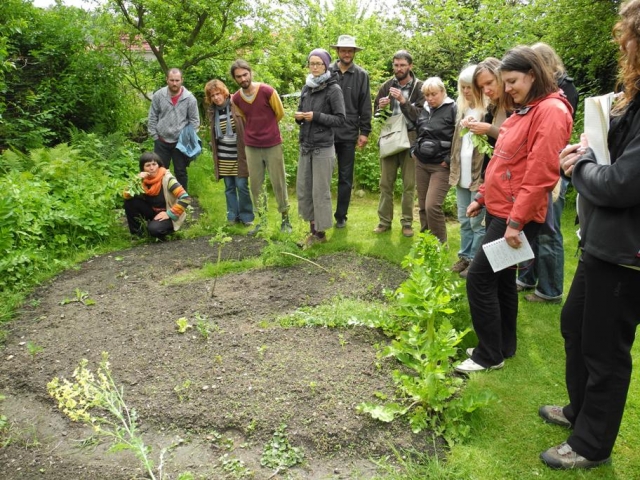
[285, 226]
[341, 223]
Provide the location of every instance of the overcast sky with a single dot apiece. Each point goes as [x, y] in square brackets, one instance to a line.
[70, 3]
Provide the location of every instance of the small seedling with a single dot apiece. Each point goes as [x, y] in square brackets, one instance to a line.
[204, 327]
[234, 467]
[81, 297]
[342, 341]
[220, 238]
[183, 324]
[279, 453]
[182, 390]
[312, 386]
[261, 350]
[33, 349]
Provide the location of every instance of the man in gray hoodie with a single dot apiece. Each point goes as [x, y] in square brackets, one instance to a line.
[172, 108]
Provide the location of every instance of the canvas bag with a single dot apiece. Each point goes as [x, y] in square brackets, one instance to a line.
[394, 137]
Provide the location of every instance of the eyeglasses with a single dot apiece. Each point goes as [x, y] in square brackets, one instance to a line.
[315, 64]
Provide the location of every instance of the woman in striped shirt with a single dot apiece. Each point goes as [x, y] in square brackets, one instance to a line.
[227, 131]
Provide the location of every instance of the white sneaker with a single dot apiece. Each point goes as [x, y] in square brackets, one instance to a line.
[469, 366]
[469, 352]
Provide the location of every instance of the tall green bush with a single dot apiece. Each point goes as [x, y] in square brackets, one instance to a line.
[58, 201]
[428, 393]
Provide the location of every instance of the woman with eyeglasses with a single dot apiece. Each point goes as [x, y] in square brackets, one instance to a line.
[161, 208]
[321, 109]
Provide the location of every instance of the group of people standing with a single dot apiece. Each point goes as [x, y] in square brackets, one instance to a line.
[525, 105]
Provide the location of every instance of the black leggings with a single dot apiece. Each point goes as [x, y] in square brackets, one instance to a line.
[140, 212]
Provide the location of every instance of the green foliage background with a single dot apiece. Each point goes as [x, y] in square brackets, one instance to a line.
[66, 68]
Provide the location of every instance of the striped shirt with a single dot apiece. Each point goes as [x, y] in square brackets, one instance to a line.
[227, 147]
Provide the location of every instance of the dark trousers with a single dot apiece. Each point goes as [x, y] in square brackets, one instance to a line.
[168, 152]
[346, 154]
[493, 299]
[139, 213]
[598, 323]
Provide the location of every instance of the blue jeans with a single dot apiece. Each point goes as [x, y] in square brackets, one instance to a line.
[471, 228]
[546, 273]
[239, 206]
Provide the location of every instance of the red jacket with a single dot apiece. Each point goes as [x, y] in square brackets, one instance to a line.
[525, 164]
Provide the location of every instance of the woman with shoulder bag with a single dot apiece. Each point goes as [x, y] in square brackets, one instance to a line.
[432, 151]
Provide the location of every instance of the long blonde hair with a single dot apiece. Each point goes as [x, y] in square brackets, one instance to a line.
[477, 102]
[492, 65]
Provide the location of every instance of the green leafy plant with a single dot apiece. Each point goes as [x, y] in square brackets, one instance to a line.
[5, 437]
[183, 324]
[279, 453]
[81, 297]
[96, 400]
[481, 142]
[204, 326]
[182, 390]
[134, 185]
[33, 349]
[428, 394]
[261, 351]
[234, 467]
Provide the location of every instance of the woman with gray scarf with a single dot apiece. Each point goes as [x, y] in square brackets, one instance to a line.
[227, 130]
[321, 109]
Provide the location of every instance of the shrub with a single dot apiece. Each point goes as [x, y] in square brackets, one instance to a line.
[429, 395]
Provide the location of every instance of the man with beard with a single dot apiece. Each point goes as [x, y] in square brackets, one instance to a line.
[354, 82]
[172, 108]
[402, 95]
[261, 108]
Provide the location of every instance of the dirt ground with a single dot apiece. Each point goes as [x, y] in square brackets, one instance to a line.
[215, 400]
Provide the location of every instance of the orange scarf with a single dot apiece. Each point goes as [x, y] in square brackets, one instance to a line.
[152, 185]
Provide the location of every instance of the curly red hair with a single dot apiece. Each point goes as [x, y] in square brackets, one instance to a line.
[626, 33]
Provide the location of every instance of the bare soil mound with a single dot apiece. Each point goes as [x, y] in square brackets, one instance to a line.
[217, 400]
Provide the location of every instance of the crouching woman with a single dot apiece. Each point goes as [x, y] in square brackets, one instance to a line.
[160, 209]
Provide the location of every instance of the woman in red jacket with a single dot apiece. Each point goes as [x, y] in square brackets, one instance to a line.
[523, 170]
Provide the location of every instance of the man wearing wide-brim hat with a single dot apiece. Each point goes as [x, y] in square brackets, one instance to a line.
[354, 82]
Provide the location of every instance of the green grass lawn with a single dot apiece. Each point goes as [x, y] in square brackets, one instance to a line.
[508, 436]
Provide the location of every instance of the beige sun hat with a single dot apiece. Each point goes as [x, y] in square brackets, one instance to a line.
[347, 41]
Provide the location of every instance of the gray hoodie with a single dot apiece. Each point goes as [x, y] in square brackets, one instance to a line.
[166, 121]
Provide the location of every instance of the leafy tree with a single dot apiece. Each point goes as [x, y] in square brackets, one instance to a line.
[580, 31]
[307, 24]
[183, 33]
[448, 34]
[62, 79]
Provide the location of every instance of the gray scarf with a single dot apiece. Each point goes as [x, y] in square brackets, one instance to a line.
[226, 106]
[315, 82]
